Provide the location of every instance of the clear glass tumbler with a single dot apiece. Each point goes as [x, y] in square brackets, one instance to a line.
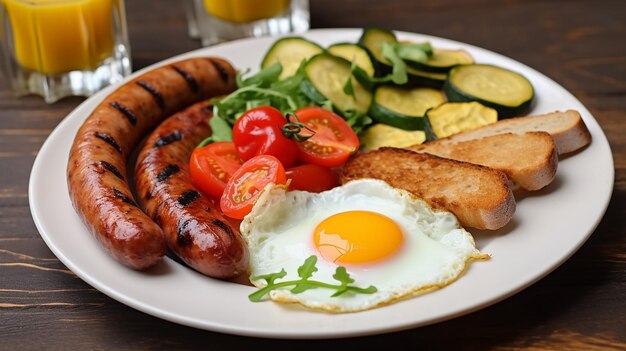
[223, 20]
[192, 22]
[58, 48]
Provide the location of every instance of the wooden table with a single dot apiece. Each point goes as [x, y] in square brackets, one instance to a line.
[582, 305]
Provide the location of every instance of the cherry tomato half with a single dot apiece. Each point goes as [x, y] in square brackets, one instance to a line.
[244, 187]
[312, 178]
[259, 132]
[333, 142]
[212, 166]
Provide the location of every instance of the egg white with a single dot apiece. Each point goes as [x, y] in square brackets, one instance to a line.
[279, 234]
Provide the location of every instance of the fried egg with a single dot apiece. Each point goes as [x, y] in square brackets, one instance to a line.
[383, 236]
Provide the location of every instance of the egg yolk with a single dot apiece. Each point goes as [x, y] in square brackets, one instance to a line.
[357, 237]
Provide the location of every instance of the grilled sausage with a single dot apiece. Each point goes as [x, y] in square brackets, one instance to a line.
[96, 171]
[194, 229]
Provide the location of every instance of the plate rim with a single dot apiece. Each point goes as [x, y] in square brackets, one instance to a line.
[176, 318]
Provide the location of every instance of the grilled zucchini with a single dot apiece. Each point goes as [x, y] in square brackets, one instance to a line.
[290, 52]
[454, 117]
[510, 93]
[403, 107]
[326, 76]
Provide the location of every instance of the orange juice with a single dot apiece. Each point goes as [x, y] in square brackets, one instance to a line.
[56, 36]
[243, 11]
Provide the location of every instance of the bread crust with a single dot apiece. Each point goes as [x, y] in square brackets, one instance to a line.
[528, 159]
[568, 129]
[480, 197]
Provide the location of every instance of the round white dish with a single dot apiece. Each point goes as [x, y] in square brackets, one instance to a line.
[548, 227]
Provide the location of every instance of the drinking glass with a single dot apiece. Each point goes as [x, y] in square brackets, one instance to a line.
[223, 20]
[58, 48]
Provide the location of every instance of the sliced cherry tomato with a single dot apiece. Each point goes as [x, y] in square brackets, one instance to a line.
[333, 142]
[259, 132]
[244, 187]
[312, 178]
[212, 166]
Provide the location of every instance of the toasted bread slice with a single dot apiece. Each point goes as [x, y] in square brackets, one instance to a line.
[567, 128]
[478, 196]
[529, 159]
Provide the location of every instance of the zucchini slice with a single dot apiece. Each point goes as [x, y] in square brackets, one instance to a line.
[373, 39]
[427, 79]
[380, 135]
[290, 52]
[404, 107]
[354, 53]
[454, 117]
[510, 93]
[326, 76]
[359, 55]
[443, 60]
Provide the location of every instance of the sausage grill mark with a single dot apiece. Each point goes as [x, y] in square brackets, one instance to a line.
[167, 172]
[109, 139]
[184, 239]
[120, 195]
[112, 169]
[155, 94]
[113, 212]
[224, 227]
[126, 112]
[191, 81]
[167, 139]
[188, 197]
[221, 70]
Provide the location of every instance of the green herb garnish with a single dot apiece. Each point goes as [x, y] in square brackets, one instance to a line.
[398, 73]
[348, 88]
[262, 89]
[221, 131]
[418, 52]
[358, 121]
[263, 78]
[305, 272]
[396, 54]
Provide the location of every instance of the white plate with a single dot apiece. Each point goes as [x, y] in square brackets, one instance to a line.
[547, 228]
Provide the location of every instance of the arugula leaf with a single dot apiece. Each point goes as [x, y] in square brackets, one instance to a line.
[418, 52]
[342, 290]
[263, 88]
[263, 78]
[234, 105]
[220, 131]
[302, 287]
[396, 53]
[271, 277]
[250, 104]
[342, 276]
[345, 289]
[305, 271]
[308, 268]
[348, 89]
[357, 120]
[398, 74]
[328, 105]
[289, 84]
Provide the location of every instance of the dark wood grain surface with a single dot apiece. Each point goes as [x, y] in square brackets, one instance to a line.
[580, 306]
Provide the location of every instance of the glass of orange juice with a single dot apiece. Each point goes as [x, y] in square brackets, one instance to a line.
[58, 48]
[222, 20]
